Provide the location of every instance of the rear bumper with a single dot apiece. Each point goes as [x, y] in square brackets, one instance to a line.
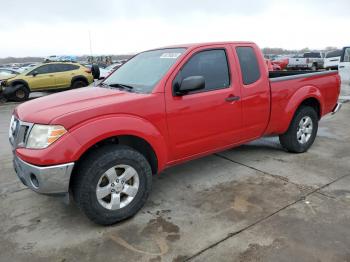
[336, 108]
[44, 180]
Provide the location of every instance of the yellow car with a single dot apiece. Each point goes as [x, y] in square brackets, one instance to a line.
[45, 77]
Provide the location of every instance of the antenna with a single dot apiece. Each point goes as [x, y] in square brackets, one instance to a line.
[90, 43]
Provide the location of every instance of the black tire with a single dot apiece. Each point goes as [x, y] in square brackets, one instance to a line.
[78, 84]
[20, 94]
[93, 167]
[289, 140]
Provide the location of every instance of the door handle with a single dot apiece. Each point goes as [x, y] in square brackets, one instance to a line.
[232, 98]
[341, 66]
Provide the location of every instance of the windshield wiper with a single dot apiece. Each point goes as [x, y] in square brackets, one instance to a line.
[102, 84]
[121, 86]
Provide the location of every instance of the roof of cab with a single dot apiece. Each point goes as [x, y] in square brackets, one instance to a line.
[194, 45]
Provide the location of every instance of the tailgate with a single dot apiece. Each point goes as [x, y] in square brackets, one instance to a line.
[297, 61]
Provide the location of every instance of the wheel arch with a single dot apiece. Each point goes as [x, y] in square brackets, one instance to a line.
[135, 142]
[307, 95]
[314, 103]
[20, 82]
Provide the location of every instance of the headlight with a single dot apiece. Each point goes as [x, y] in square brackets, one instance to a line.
[41, 136]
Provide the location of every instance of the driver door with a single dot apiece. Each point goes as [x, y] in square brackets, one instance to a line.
[203, 121]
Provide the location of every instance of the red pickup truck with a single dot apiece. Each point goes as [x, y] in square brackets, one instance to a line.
[163, 107]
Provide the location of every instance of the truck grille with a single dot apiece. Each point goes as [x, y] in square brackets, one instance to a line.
[18, 132]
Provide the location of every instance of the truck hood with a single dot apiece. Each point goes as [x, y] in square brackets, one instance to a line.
[71, 107]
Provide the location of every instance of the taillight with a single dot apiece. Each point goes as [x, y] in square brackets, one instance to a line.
[88, 71]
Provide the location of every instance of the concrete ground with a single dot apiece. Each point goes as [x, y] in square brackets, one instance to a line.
[252, 203]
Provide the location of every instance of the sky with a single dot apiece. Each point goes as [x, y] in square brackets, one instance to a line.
[65, 27]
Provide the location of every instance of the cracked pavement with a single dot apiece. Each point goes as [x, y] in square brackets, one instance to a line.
[251, 203]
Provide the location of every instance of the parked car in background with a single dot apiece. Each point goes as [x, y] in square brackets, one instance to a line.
[8, 71]
[26, 67]
[61, 58]
[344, 65]
[109, 69]
[271, 66]
[164, 107]
[281, 61]
[46, 76]
[332, 59]
[6, 74]
[309, 60]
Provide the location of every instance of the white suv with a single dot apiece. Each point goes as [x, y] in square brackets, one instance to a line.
[332, 59]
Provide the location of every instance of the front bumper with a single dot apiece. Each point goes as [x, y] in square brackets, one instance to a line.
[45, 180]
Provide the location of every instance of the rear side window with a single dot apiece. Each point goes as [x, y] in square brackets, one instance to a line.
[212, 65]
[249, 64]
[65, 67]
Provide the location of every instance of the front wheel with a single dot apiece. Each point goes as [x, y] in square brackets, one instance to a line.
[302, 131]
[20, 94]
[112, 184]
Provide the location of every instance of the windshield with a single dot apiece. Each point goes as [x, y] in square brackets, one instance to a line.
[335, 53]
[144, 71]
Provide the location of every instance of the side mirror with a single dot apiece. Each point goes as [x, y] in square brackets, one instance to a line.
[34, 73]
[191, 83]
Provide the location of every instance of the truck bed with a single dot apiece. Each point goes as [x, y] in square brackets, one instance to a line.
[288, 86]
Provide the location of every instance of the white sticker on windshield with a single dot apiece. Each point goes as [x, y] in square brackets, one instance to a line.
[170, 55]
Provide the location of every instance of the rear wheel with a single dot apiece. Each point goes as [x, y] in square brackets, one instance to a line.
[112, 184]
[302, 131]
[78, 84]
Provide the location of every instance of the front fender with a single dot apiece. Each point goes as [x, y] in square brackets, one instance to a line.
[91, 132]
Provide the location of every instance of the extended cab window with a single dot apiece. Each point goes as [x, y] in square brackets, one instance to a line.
[249, 64]
[212, 65]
